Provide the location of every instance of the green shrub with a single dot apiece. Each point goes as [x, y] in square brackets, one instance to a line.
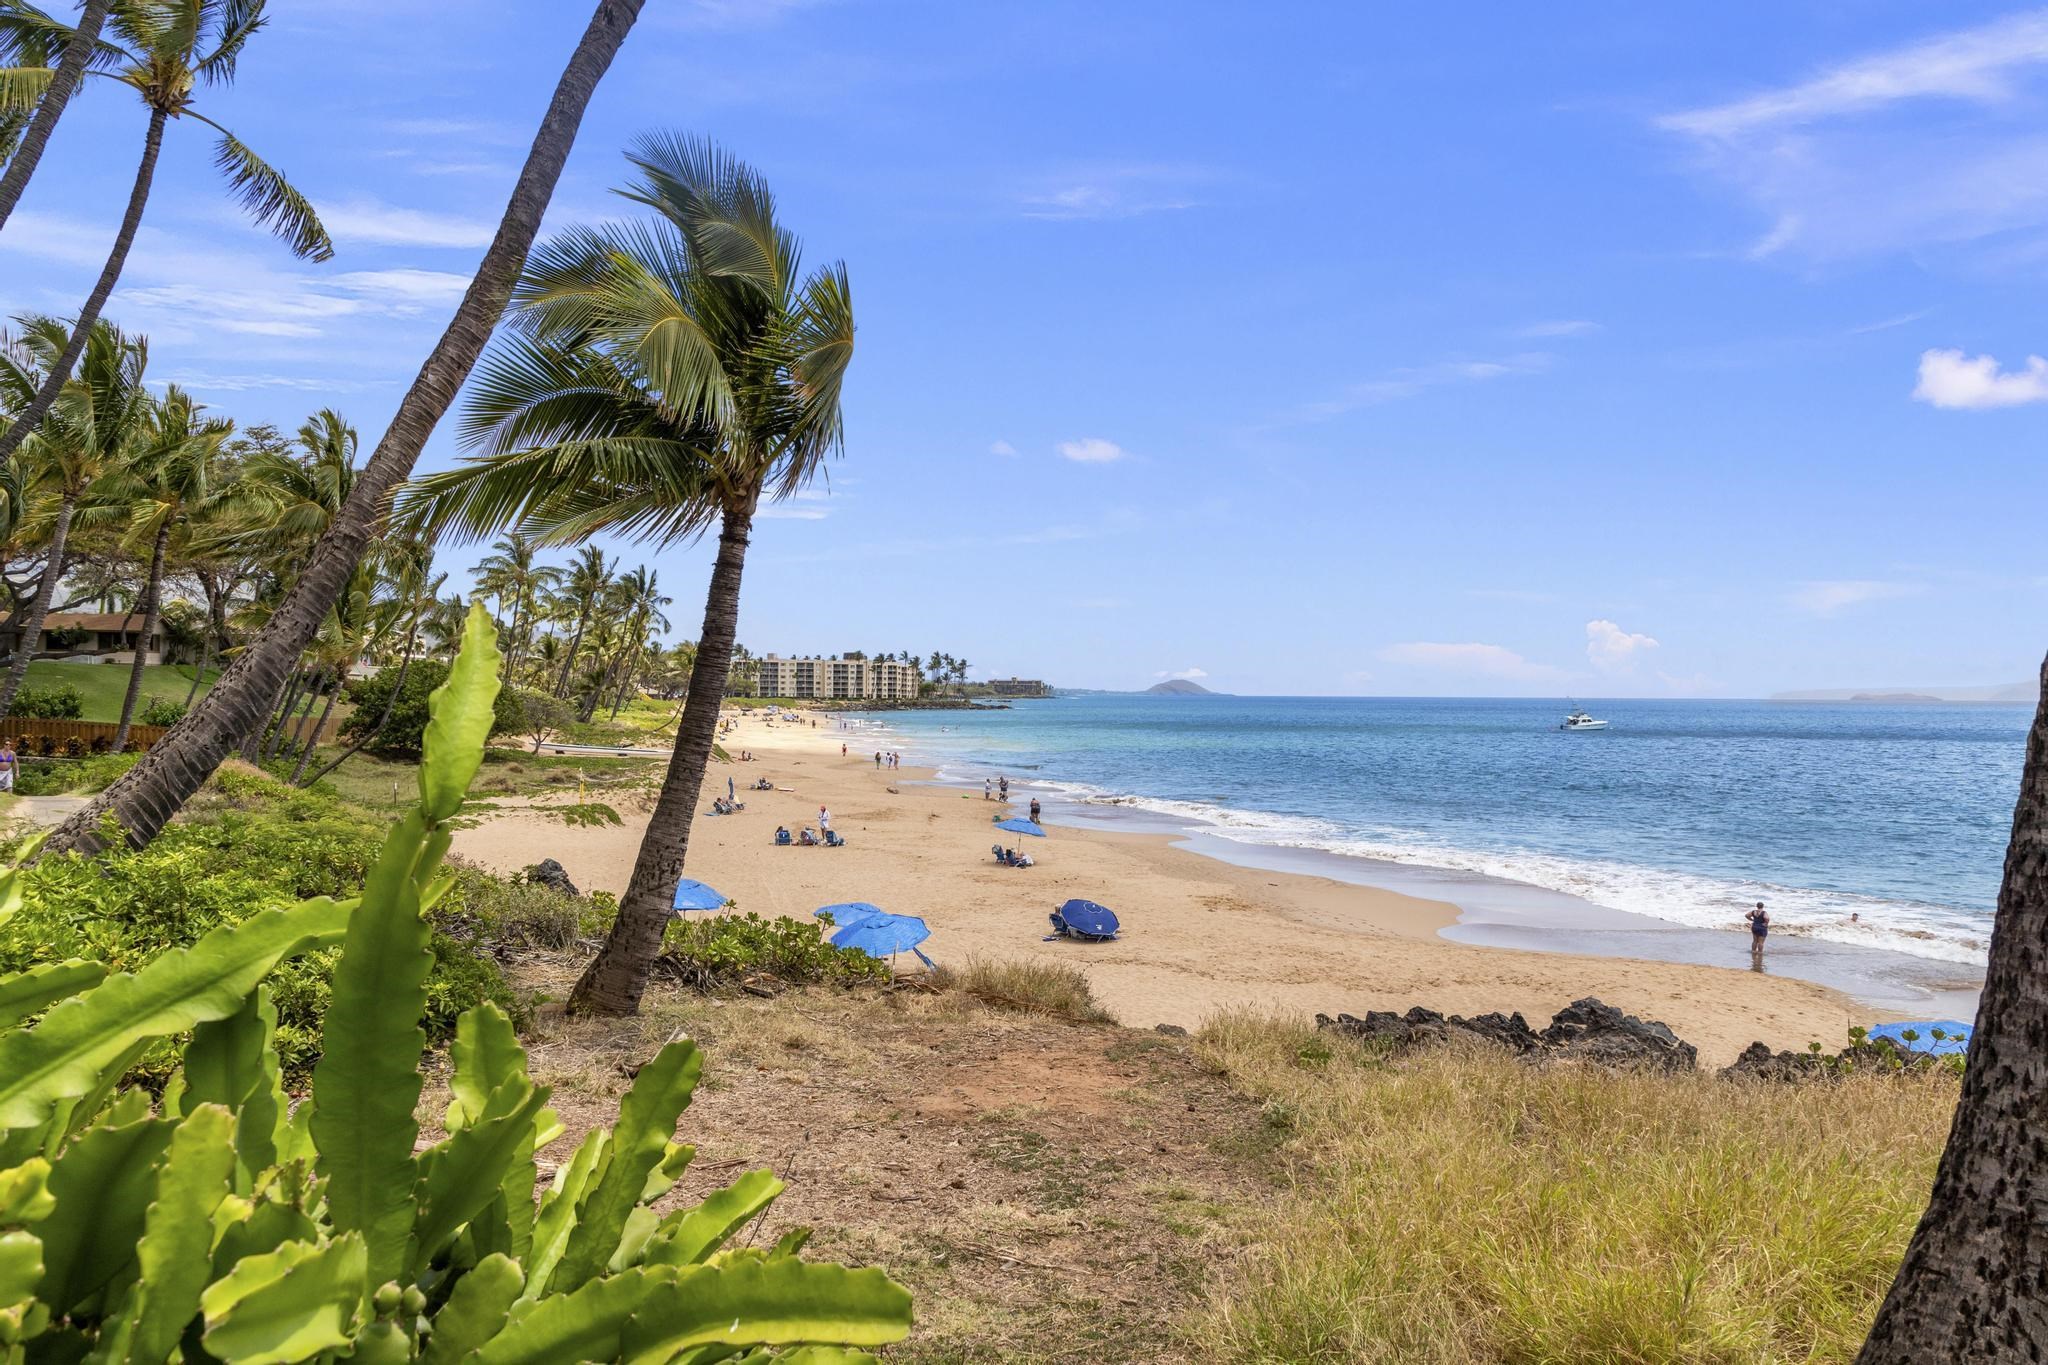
[402, 732]
[61, 702]
[221, 1223]
[718, 950]
[162, 711]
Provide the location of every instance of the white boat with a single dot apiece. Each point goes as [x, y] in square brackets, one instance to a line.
[1579, 720]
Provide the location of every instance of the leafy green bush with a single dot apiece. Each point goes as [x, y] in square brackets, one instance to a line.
[53, 777]
[257, 845]
[61, 702]
[408, 721]
[162, 711]
[222, 1223]
[717, 950]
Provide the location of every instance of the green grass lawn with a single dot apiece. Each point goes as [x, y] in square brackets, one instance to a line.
[103, 685]
[369, 781]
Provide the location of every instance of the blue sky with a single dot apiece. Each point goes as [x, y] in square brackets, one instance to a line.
[1323, 348]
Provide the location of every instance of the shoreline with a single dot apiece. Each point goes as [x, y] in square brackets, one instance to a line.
[1202, 934]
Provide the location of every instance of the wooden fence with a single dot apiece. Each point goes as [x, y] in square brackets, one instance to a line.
[73, 738]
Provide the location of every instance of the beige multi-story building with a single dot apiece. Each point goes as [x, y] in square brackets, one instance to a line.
[837, 679]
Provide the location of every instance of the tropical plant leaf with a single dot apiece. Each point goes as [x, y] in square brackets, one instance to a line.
[25, 1192]
[558, 1209]
[462, 716]
[768, 1303]
[21, 1271]
[640, 1143]
[62, 1057]
[102, 1183]
[484, 1054]
[477, 1311]
[233, 1062]
[174, 1256]
[22, 86]
[460, 1178]
[268, 197]
[23, 993]
[689, 1236]
[582, 1325]
[286, 1306]
[366, 1084]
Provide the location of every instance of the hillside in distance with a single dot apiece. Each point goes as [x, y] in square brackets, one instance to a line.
[1180, 687]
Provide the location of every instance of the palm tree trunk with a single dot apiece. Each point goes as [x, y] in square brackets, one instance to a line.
[1970, 1287]
[199, 675]
[70, 67]
[575, 643]
[390, 704]
[282, 717]
[152, 594]
[613, 982]
[32, 629]
[302, 736]
[29, 417]
[173, 769]
[305, 754]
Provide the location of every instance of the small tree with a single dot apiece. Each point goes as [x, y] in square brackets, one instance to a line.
[404, 728]
[539, 714]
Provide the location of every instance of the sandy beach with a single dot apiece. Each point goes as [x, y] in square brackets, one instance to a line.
[1199, 935]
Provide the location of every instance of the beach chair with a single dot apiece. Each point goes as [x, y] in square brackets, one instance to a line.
[782, 837]
[832, 839]
[806, 838]
[1002, 854]
[1085, 921]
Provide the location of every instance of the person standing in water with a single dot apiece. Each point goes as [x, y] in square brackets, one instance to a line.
[1034, 810]
[1759, 926]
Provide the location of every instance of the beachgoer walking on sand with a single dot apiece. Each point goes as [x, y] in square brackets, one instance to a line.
[988, 789]
[824, 819]
[8, 765]
[1034, 810]
[1003, 787]
[878, 758]
[1759, 925]
[842, 751]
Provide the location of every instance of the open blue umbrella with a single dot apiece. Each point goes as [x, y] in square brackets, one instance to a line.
[697, 896]
[884, 935]
[1017, 824]
[849, 912]
[1956, 1035]
[1085, 920]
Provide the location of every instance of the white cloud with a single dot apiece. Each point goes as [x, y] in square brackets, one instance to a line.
[1612, 649]
[1185, 674]
[369, 220]
[1492, 661]
[1949, 379]
[1973, 64]
[1111, 191]
[1560, 327]
[1091, 450]
[1825, 597]
[1002, 448]
[1834, 177]
[1409, 381]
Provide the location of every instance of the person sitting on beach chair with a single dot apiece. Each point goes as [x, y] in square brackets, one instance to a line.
[806, 838]
[782, 835]
[764, 785]
[1002, 854]
[1020, 860]
[832, 839]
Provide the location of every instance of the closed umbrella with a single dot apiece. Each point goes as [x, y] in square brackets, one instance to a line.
[697, 896]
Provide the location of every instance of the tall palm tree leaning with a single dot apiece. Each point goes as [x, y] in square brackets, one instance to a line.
[160, 487]
[669, 376]
[27, 38]
[167, 49]
[89, 433]
[146, 797]
[1970, 1285]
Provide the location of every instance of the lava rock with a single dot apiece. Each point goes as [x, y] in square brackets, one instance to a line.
[1759, 1063]
[551, 874]
[1170, 1030]
[1589, 1031]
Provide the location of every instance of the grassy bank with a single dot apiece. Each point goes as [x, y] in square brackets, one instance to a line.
[1447, 1210]
[104, 685]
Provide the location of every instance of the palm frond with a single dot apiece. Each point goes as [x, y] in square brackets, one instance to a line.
[268, 197]
[22, 86]
[236, 22]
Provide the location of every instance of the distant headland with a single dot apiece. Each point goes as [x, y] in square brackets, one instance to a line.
[1180, 687]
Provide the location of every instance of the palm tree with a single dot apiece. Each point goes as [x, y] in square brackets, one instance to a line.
[153, 790]
[163, 484]
[512, 571]
[582, 586]
[413, 596]
[27, 39]
[671, 375]
[84, 436]
[167, 49]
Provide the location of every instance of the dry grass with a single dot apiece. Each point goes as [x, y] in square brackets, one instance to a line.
[1027, 988]
[1461, 1208]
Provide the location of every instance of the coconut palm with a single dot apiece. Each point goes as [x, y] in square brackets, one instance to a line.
[582, 586]
[165, 483]
[153, 790]
[32, 93]
[168, 48]
[87, 434]
[413, 594]
[671, 375]
[512, 572]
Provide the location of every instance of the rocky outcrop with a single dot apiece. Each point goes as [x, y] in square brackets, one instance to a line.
[551, 874]
[1584, 1031]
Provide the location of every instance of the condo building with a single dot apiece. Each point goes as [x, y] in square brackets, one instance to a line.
[837, 679]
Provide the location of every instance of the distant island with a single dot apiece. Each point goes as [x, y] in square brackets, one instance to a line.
[1893, 696]
[2028, 692]
[1180, 687]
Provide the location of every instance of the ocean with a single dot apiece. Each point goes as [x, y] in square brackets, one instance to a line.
[1685, 811]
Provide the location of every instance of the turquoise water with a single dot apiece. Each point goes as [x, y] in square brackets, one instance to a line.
[1685, 811]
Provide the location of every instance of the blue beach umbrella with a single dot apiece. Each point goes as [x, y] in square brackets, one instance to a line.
[884, 935]
[697, 896]
[1957, 1037]
[1085, 920]
[1017, 824]
[849, 912]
